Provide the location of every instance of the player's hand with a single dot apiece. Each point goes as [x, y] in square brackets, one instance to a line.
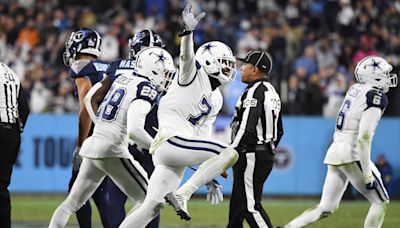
[371, 185]
[189, 20]
[76, 159]
[214, 193]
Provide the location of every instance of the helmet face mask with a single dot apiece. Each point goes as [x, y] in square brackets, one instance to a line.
[85, 41]
[157, 65]
[375, 71]
[217, 60]
[143, 39]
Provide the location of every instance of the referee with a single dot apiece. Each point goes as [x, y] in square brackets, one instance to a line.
[256, 130]
[14, 112]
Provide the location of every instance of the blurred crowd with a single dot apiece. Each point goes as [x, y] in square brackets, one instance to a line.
[314, 44]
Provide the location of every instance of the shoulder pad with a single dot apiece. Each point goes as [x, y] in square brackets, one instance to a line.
[377, 99]
[77, 66]
[146, 91]
[84, 68]
[100, 66]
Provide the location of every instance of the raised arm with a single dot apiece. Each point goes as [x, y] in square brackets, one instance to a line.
[187, 60]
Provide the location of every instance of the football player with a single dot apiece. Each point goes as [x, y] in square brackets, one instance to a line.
[184, 109]
[143, 39]
[140, 40]
[349, 157]
[121, 115]
[82, 51]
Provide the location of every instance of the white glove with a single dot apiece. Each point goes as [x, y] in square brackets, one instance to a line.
[214, 193]
[76, 159]
[189, 20]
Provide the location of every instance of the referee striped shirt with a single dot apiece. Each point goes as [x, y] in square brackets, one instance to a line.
[257, 118]
[9, 93]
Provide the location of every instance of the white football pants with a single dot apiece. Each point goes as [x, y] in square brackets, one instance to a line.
[127, 174]
[336, 181]
[170, 160]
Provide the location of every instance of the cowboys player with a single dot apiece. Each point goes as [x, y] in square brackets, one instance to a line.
[143, 39]
[121, 114]
[348, 158]
[82, 50]
[183, 110]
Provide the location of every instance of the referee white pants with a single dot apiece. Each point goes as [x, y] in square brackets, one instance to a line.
[336, 181]
[127, 174]
[170, 160]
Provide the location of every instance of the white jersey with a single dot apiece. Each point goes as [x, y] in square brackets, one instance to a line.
[358, 98]
[110, 136]
[205, 129]
[186, 108]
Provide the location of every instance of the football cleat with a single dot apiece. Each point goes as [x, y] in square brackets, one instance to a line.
[179, 203]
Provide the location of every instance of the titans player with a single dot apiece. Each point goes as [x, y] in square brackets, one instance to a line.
[349, 157]
[121, 115]
[82, 50]
[185, 108]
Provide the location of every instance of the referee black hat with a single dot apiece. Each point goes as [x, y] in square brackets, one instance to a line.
[259, 59]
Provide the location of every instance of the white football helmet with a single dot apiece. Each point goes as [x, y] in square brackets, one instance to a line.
[157, 65]
[217, 60]
[375, 71]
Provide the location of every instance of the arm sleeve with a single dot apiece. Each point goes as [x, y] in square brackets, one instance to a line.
[280, 130]
[137, 113]
[369, 121]
[251, 114]
[187, 71]
[23, 107]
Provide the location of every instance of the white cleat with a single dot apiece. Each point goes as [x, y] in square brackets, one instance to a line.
[179, 203]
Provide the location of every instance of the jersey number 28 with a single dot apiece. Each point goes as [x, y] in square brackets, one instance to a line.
[113, 102]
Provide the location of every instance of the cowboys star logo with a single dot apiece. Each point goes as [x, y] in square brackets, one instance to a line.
[374, 65]
[208, 47]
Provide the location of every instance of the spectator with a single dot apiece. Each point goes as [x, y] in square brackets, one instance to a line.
[313, 99]
[386, 172]
[335, 93]
[306, 65]
[304, 37]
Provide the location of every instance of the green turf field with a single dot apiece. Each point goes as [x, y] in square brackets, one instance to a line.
[36, 210]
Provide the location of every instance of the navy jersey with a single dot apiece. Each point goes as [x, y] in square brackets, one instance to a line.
[122, 66]
[91, 69]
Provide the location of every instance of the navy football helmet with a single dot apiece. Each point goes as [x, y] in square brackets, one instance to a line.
[143, 39]
[85, 41]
